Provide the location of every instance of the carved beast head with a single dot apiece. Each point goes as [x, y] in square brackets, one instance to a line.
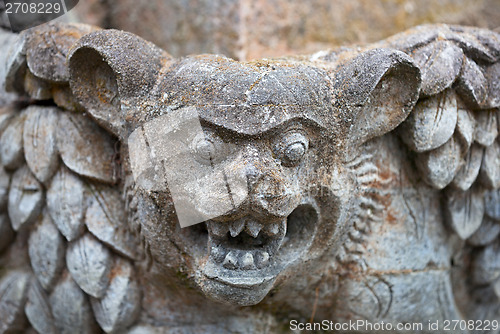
[251, 154]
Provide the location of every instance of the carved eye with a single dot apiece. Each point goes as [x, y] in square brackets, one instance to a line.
[207, 148]
[292, 148]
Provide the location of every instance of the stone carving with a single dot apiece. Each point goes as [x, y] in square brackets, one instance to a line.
[360, 183]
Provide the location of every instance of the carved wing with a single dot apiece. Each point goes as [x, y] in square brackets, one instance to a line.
[453, 134]
[66, 251]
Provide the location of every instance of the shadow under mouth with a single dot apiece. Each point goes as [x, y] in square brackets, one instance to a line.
[248, 251]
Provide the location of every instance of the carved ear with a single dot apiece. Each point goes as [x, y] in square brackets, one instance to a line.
[378, 89]
[111, 71]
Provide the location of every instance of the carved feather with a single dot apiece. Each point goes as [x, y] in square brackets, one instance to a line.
[486, 265]
[492, 205]
[25, 198]
[440, 63]
[4, 188]
[11, 143]
[106, 219]
[71, 308]
[439, 166]
[486, 128]
[487, 233]
[465, 211]
[85, 148]
[6, 233]
[119, 307]
[38, 310]
[13, 293]
[468, 173]
[490, 168]
[65, 203]
[431, 123]
[89, 263]
[39, 138]
[46, 250]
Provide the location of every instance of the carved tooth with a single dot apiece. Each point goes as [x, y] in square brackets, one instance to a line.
[218, 229]
[272, 229]
[262, 258]
[253, 228]
[230, 262]
[246, 261]
[218, 253]
[236, 227]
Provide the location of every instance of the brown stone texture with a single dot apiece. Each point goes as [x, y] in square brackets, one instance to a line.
[251, 29]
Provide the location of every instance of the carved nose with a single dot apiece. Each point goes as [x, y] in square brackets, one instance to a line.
[253, 174]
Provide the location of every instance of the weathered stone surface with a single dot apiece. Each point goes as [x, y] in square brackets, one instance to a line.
[71, 308]
[439, 167]
[13, 293]
[465, 211]
[89, 263]
[94, 156]
[39, 139]
[432, 122]
[46, 250]
[66, 204]
[106, 219]
[11, 143]
[343, 184]
[26, 197]
[6, 232]
[38, 310]
[120, 306]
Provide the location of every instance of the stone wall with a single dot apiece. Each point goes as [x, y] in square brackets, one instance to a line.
[251, 29]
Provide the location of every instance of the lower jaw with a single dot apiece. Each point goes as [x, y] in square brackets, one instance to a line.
[249, 287]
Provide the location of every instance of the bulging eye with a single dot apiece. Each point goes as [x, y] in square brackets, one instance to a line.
[207, 148]
[291, 148]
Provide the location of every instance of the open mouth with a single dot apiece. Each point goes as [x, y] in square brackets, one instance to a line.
[250, 251]
[245, 244]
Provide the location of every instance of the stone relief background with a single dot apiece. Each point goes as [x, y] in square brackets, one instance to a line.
[249, 29]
